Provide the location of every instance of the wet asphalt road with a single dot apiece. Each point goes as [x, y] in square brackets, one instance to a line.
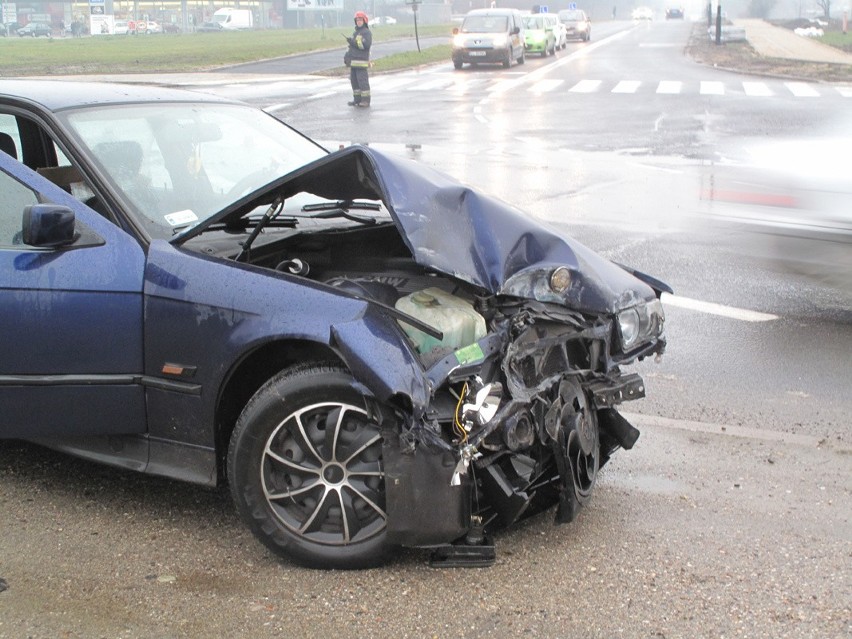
[730, 518]
[694, 533]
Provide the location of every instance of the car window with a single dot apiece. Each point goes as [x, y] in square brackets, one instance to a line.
[485, 24]
[534, 22]
[177, 164]
[15, 197]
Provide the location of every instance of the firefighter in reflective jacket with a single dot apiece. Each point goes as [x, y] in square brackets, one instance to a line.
[359, 54]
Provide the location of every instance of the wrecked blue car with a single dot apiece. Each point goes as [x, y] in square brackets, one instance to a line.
[370, 354]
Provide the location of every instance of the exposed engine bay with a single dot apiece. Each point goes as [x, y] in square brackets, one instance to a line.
[522, 413]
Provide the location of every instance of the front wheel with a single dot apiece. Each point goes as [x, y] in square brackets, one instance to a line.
[305, 470]
[458, 64]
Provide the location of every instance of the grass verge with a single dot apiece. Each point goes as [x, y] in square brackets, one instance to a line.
[186, 52]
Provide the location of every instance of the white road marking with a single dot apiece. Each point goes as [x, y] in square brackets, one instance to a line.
[543, 86]
[669, 87]
[626, 86]
[711, 308]
[802, 89]
[585, 86]
[712, 88]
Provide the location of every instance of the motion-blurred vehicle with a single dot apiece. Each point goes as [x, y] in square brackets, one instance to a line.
[36, 29]
[9, 28]
[210, 27]
[539, 36]
[675, 13]
[792, 199]
[369, 354]
[642, 13]
[489, 36]
[577, 24]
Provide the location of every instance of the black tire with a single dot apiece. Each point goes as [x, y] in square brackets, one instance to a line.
[507, 62]
[305, 470]
[458, 64]
[522, 59]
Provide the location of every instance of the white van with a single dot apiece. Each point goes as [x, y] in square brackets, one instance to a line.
[489, 36]
[230, 19]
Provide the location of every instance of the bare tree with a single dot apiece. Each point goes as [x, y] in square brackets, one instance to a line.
[825, 5]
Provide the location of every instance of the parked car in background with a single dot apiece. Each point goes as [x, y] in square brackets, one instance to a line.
[577, 24]
[191, 288]
[36, 29]
[538, 34]
[642, 13]
[489, 36]
[560, 32]
[210, 27]
[383, 20]
[674, 14]
[171, 27]
[149, 26]
[121, 27]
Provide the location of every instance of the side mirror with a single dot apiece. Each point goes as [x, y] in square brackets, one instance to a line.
[516, 30]
[48, 225]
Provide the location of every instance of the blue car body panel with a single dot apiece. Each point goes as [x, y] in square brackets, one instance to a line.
[71, 321]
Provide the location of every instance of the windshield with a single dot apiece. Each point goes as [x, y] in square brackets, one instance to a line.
[485, 24]
[534, 22]
[571, 16]
[177, 164]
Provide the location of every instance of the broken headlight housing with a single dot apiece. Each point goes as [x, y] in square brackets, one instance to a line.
[640, 324]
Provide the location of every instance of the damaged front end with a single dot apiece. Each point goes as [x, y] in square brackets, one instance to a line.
[517, 336]
[521, 419]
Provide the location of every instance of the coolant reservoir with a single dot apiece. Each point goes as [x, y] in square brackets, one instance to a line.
[453, 316]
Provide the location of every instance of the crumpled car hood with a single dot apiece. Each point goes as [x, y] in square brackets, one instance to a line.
[457, 230]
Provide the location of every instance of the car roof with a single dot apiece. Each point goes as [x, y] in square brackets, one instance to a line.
[492, 12]
[56, 95]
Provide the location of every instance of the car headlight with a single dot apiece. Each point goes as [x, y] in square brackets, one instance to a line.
[640, 324]
[459, 40]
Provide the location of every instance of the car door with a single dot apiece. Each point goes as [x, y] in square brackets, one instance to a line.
[70, 319]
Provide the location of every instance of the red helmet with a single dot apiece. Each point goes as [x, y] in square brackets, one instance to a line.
[363, 16]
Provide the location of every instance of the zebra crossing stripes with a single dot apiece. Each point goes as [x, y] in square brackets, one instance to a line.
[801, 90]
[626, 86]
[462, 85]
[586, 86]
[669, 87]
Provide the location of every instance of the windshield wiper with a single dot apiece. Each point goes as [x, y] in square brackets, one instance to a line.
[341, 208]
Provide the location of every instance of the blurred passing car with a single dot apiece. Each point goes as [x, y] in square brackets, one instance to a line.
[369, 353]
[792, 199]
[36, 29]
[539, 36]
[577, 24]
[674, 14]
